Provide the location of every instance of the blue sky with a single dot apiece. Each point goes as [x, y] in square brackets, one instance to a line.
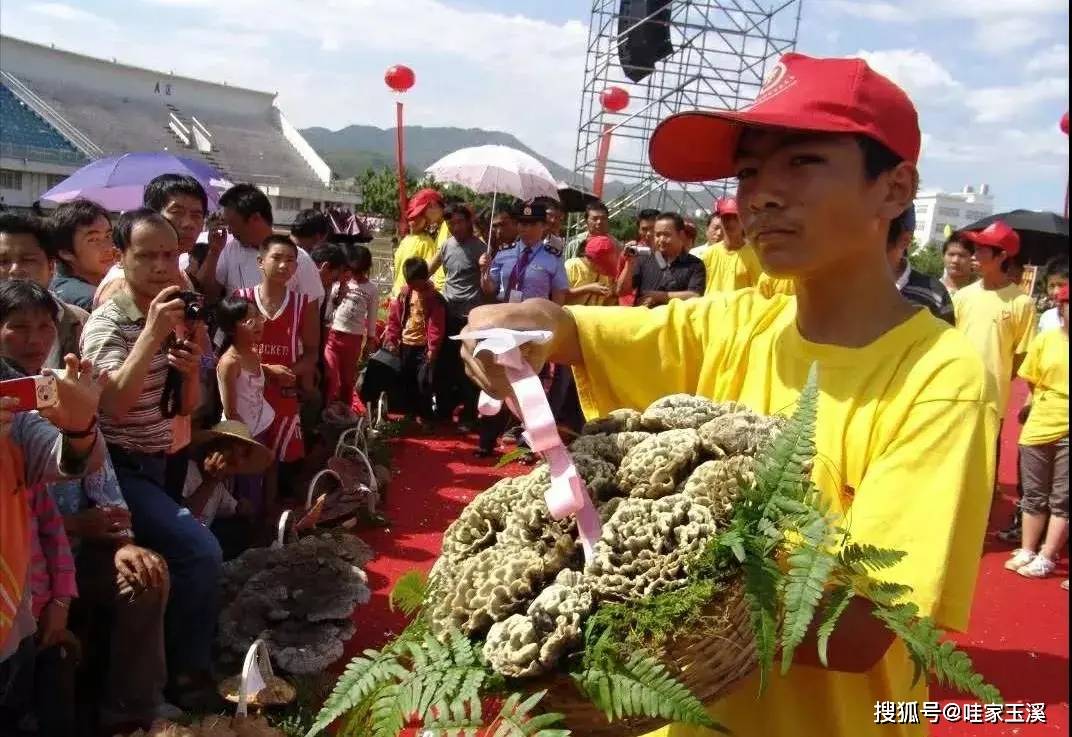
[990, 77]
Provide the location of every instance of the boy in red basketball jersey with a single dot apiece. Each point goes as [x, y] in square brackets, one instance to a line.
[288, 346]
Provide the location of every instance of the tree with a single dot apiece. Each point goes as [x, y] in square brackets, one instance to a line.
[927, 259]
[379, 188]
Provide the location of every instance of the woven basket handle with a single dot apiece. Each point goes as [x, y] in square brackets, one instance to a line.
[256, 666]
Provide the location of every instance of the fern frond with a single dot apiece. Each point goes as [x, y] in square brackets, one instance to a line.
[363, 675]
[882, 593]
[783, 464]
[810, 568]
[641, 687]
[462, 719]
[408, 593]
[388, 713]
[837, 601]
[930, 654]
[862, 558]
[515, 719]
[762, 580]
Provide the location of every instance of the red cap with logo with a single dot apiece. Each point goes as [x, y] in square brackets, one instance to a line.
[420, 201]
[996, 235]
[726, 206]
[799, 93]
[603, 254]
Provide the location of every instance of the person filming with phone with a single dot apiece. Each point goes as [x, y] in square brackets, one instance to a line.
[125, 582]
[154, 377]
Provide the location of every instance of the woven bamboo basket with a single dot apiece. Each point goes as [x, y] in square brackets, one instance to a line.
[709, 663]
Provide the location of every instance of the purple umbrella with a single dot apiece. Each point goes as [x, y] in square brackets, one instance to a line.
[118, 182]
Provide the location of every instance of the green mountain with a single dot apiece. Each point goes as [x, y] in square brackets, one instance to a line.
[353, 149]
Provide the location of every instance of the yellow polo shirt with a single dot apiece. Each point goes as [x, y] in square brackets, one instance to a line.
[1046, 369]
[905, 450]
[728, 271]
[415, 244]
[581, 273]
[1000, 324]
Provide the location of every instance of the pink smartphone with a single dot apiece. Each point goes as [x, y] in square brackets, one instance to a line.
[32, 392]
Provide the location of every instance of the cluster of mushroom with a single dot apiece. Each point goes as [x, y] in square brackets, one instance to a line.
[298, 598]
[664, 482]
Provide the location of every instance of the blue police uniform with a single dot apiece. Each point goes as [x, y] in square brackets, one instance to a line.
[544, 274]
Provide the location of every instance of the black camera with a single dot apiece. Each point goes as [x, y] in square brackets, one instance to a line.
[195, 305]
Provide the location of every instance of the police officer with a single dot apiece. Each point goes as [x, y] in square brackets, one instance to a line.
[530, 268]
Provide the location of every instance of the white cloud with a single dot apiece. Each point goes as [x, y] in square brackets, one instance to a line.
[1003, 35]
[1053, 59]
[916, 71]
[1008, 103]
[67, 14]
[910, 11]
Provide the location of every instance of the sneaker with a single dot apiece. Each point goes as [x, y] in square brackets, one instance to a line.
[1019, 559]
[1040, 567]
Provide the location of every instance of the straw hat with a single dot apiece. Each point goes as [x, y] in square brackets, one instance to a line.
[257, 460]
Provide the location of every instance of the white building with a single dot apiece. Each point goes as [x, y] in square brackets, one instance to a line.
[59, 110]
[936, 210]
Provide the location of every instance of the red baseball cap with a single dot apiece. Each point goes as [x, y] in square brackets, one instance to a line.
[799, 93]
[996, 235]
[603, 254]
[726, 206]
[420, 201]
[1062, 294]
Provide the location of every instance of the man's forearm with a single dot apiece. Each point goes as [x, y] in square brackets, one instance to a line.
[126, 382]
[206, 276]
[191, 393]
[687, 294]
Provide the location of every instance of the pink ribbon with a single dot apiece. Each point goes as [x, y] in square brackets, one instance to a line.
[567, 493]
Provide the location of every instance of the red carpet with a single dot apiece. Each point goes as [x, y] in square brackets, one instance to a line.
[1018, 636]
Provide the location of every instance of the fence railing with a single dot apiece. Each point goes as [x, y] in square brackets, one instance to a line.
[41, 155]
[51, 115]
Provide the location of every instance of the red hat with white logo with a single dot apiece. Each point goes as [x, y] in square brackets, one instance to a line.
[800, 93]
[996, 235]
[726, 206]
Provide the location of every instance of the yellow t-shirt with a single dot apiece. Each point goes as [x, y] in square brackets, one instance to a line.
[415, 244]
[1000, 323]
[728, 271]
[905, 449]
[581, 273]
[768, 286]
[1046, 368]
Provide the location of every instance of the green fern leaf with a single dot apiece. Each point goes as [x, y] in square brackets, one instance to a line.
[408, 593]
[515, 719]
[837, 601]
[762, 580]
[364, 675]
[388, 712]
[861, 558]
[463, 719]
[782, 464]
[641, 687]
[810, 568]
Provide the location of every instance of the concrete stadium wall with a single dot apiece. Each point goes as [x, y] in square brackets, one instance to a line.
[32, 61]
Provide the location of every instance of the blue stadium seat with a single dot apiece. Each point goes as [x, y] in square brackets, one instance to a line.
[21, 126]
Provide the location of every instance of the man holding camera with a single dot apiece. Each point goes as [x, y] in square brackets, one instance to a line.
[154, 377]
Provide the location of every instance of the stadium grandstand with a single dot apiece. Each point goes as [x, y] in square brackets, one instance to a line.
[59, 110]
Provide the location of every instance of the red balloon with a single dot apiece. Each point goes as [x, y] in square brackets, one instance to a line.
[399, 77]
[1064, 123]
[614, 99]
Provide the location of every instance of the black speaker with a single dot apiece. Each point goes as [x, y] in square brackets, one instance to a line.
[647, 43]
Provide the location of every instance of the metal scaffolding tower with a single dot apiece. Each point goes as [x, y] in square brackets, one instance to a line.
[721, 52]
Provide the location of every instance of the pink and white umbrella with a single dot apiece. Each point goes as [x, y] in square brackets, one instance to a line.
[494, 170]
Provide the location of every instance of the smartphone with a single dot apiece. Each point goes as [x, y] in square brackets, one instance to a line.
[32, 392]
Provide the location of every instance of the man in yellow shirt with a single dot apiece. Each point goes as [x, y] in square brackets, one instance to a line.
[731, 263]
[993, 312]
[420, 214]
[1044, 452]
[825, 160]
